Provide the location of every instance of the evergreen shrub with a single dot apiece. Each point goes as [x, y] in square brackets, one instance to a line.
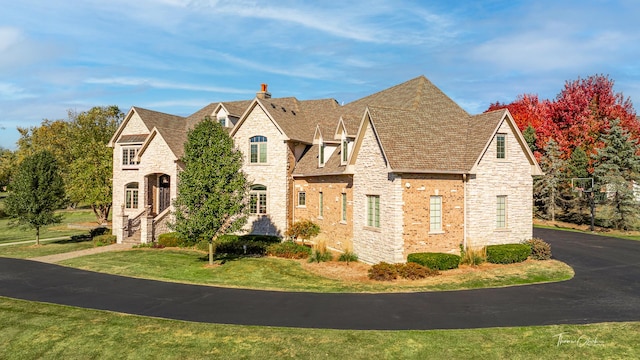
[435, 261]
[508, 253]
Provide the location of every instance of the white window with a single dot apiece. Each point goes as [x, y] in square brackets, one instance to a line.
[501, 212]
[344, 207]
[258, 200]
[131, 195]
[129, 155]
[321, 204]
[345, 151]
[321, 155]
[435, 213]
[302, 198]
[373, 211]
[501, 146]
[258, 149]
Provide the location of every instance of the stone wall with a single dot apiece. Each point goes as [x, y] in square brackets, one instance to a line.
[417, 190]
[372, 177]
[510, 177]
[273, 174]
[335, 232]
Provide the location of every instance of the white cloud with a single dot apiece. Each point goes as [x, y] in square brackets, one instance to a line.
[9, 91]
[160, 84]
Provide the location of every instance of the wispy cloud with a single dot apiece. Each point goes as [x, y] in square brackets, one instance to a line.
[10, 92]
[160, 84]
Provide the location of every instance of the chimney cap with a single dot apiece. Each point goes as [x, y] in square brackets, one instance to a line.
[263, 93]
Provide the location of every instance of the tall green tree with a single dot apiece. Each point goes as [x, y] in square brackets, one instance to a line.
[88, 178]
[547, 188]
[531, 138]
[35, 192]
[617, 169]
[212, 189]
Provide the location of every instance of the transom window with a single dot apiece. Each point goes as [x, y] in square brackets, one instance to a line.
[501, 212]
[373, 211]
[302, 198]
[258, 151]
[129, 155]
[435, 213]
[501, 150]
[258, 199]
[131, 195]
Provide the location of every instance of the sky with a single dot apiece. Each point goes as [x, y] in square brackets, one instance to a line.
[176, 56]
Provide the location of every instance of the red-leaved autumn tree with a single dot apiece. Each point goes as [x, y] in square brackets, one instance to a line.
[578, 116]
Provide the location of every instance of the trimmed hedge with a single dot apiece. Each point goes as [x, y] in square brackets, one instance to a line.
[289, 250]
[435, 261]
[244, 244]
[508, 253]
[172, 239]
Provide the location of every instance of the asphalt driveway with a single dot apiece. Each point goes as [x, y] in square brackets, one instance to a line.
[606, 288]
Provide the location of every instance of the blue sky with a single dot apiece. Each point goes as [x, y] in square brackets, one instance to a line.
[176, 56]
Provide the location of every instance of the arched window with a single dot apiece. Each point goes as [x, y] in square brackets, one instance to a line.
[131, 195]
[258, 149]
[258, 199]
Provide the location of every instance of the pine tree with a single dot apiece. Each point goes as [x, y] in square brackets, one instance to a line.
[547, 188]
[35, 192]
[212, 189]
[616, 169]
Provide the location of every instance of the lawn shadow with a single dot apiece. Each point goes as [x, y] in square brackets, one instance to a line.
[73, 240]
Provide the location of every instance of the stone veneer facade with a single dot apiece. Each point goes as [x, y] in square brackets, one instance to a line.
[335, 232]
[510, 177]
[372, 177]
[274, 174]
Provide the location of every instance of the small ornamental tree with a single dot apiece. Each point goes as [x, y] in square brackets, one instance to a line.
[35, 192]
[303, 229]
[212, 190]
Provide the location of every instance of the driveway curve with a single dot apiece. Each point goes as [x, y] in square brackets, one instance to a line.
[606, 287]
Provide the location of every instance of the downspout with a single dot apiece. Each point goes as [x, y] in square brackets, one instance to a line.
[464, 226]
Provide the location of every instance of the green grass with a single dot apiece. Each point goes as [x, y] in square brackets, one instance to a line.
[24, 251]
[32, 330]
[13, 234]
[288, 275]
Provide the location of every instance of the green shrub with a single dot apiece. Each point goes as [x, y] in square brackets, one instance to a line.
[473, 257]
[269, 239]
[289, 250]
[348, 256]
[103, 240]
[540, 249]
[151, 245]
[435, 261]
[383, 272]
[508, 254]
[303, 229]
[241, 247]
[172, 239]
[414, 271]
[202, 245]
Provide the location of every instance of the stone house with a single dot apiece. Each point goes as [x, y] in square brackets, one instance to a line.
[400, 171]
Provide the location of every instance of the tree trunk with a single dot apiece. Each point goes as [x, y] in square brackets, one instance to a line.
[38, 235]
[101, 212]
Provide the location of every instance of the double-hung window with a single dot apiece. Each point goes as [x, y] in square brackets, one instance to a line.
[258, 150]
[435, 214]
[373, 211]
[501, 146]
[302, 199]
[131, 195]
[129, 155]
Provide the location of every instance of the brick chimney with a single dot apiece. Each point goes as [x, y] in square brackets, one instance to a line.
[263, 94]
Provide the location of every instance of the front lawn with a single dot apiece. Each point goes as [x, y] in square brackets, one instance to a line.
[32, 330]
[292, 275]
[30, 250]
[84, 218]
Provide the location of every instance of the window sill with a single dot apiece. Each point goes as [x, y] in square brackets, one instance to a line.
[320, 218]
[130, 167]
[502, 230]
[343, 222]
[301, 206]
[371, 228]
[439, 232]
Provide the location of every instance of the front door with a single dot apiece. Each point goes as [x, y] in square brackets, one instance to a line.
[164, 193]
